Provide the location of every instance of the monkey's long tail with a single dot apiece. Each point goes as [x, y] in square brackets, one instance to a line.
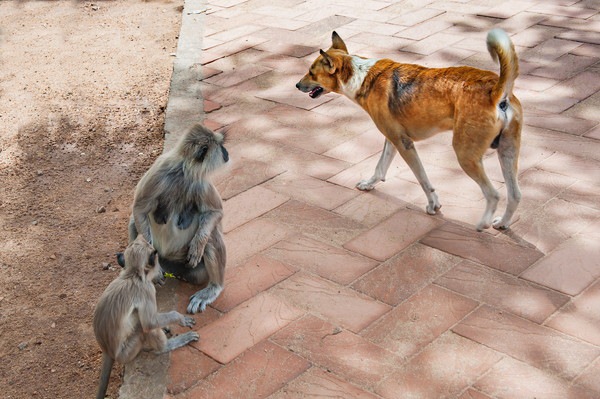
[107, 365]
[502, 50]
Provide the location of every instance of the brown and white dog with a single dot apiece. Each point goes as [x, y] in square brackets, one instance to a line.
[410, 102]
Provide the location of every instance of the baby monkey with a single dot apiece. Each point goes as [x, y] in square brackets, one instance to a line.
[126, 319]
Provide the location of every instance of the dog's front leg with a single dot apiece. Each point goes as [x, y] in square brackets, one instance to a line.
[387, 155]
[408, 152]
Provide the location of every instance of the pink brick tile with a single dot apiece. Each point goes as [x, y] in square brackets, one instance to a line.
[481, 248]
[332, 263]
[433, 43]
[573, 154]
[393, 235]
[588, 50]
[227, 79]
[533, 36]
[581, 86]
[541, 187]
[553, 223]
[552, 9]
[560, 123]
[513, 379]
[405, 274]
[310, 190]
[507, 9]
[580, 36]
[248, 205]
[581, 317]
[444, 369]
[281, 22]
[589, 378]
[254, 276]
[529, 342]
[520, 21]
[358, 148]
[535, 83]
[245, 326]
[502, 291]
[251, 238]
[307, 136]
[564, 67]
[583, 193]
[382, 41]
[589, 24]
[593, 133]
[549, 50]
[282, 11]
[341, 306]
[316, 223]
[257, 373]
[586, 109]
[370, 208]
[445, 58]
[380, 28]
[243, 174]
[210, 106]
[340, 351]
[294, 159]
[415, 323]
[318, 383]
[230, 48]
[424, 29]
[473, 394]
[570, 268]
[188, 366]
[235, 33]
[541, 103]
[415, 17]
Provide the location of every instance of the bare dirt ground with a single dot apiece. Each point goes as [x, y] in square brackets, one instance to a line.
[83, 88]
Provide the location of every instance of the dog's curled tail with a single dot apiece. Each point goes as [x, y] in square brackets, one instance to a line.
[503, 51]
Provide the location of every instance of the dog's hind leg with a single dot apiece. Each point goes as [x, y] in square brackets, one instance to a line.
[408, 152]
[470, 154]
[387, 155]
[508, 155]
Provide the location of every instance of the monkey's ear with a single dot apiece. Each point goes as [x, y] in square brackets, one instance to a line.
[337, 42]
[327, 62]
[121, 259]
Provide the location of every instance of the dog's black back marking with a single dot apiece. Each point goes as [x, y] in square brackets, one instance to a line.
[401, 92]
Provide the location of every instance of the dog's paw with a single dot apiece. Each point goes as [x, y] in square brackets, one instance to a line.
[365, 185]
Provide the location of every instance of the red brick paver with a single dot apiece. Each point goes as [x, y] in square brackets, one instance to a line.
[333, 292]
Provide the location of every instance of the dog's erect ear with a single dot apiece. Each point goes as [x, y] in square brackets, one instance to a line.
[337, 42]
[327, 62]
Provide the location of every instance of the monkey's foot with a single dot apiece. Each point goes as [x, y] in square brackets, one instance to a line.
[201, 299]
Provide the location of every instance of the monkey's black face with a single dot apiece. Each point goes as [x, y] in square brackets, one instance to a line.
[203, 151]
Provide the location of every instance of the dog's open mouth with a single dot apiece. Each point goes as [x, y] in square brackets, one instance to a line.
[316, 92]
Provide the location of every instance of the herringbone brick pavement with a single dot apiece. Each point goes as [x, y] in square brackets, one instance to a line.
[333, 292]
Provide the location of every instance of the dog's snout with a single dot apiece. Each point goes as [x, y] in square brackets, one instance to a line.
[298, 85]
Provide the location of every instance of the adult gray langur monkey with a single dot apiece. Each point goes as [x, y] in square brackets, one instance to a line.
[126, 319]
[178, 209]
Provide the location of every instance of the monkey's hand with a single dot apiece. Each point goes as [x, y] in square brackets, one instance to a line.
[196, 252]
[187, 321]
